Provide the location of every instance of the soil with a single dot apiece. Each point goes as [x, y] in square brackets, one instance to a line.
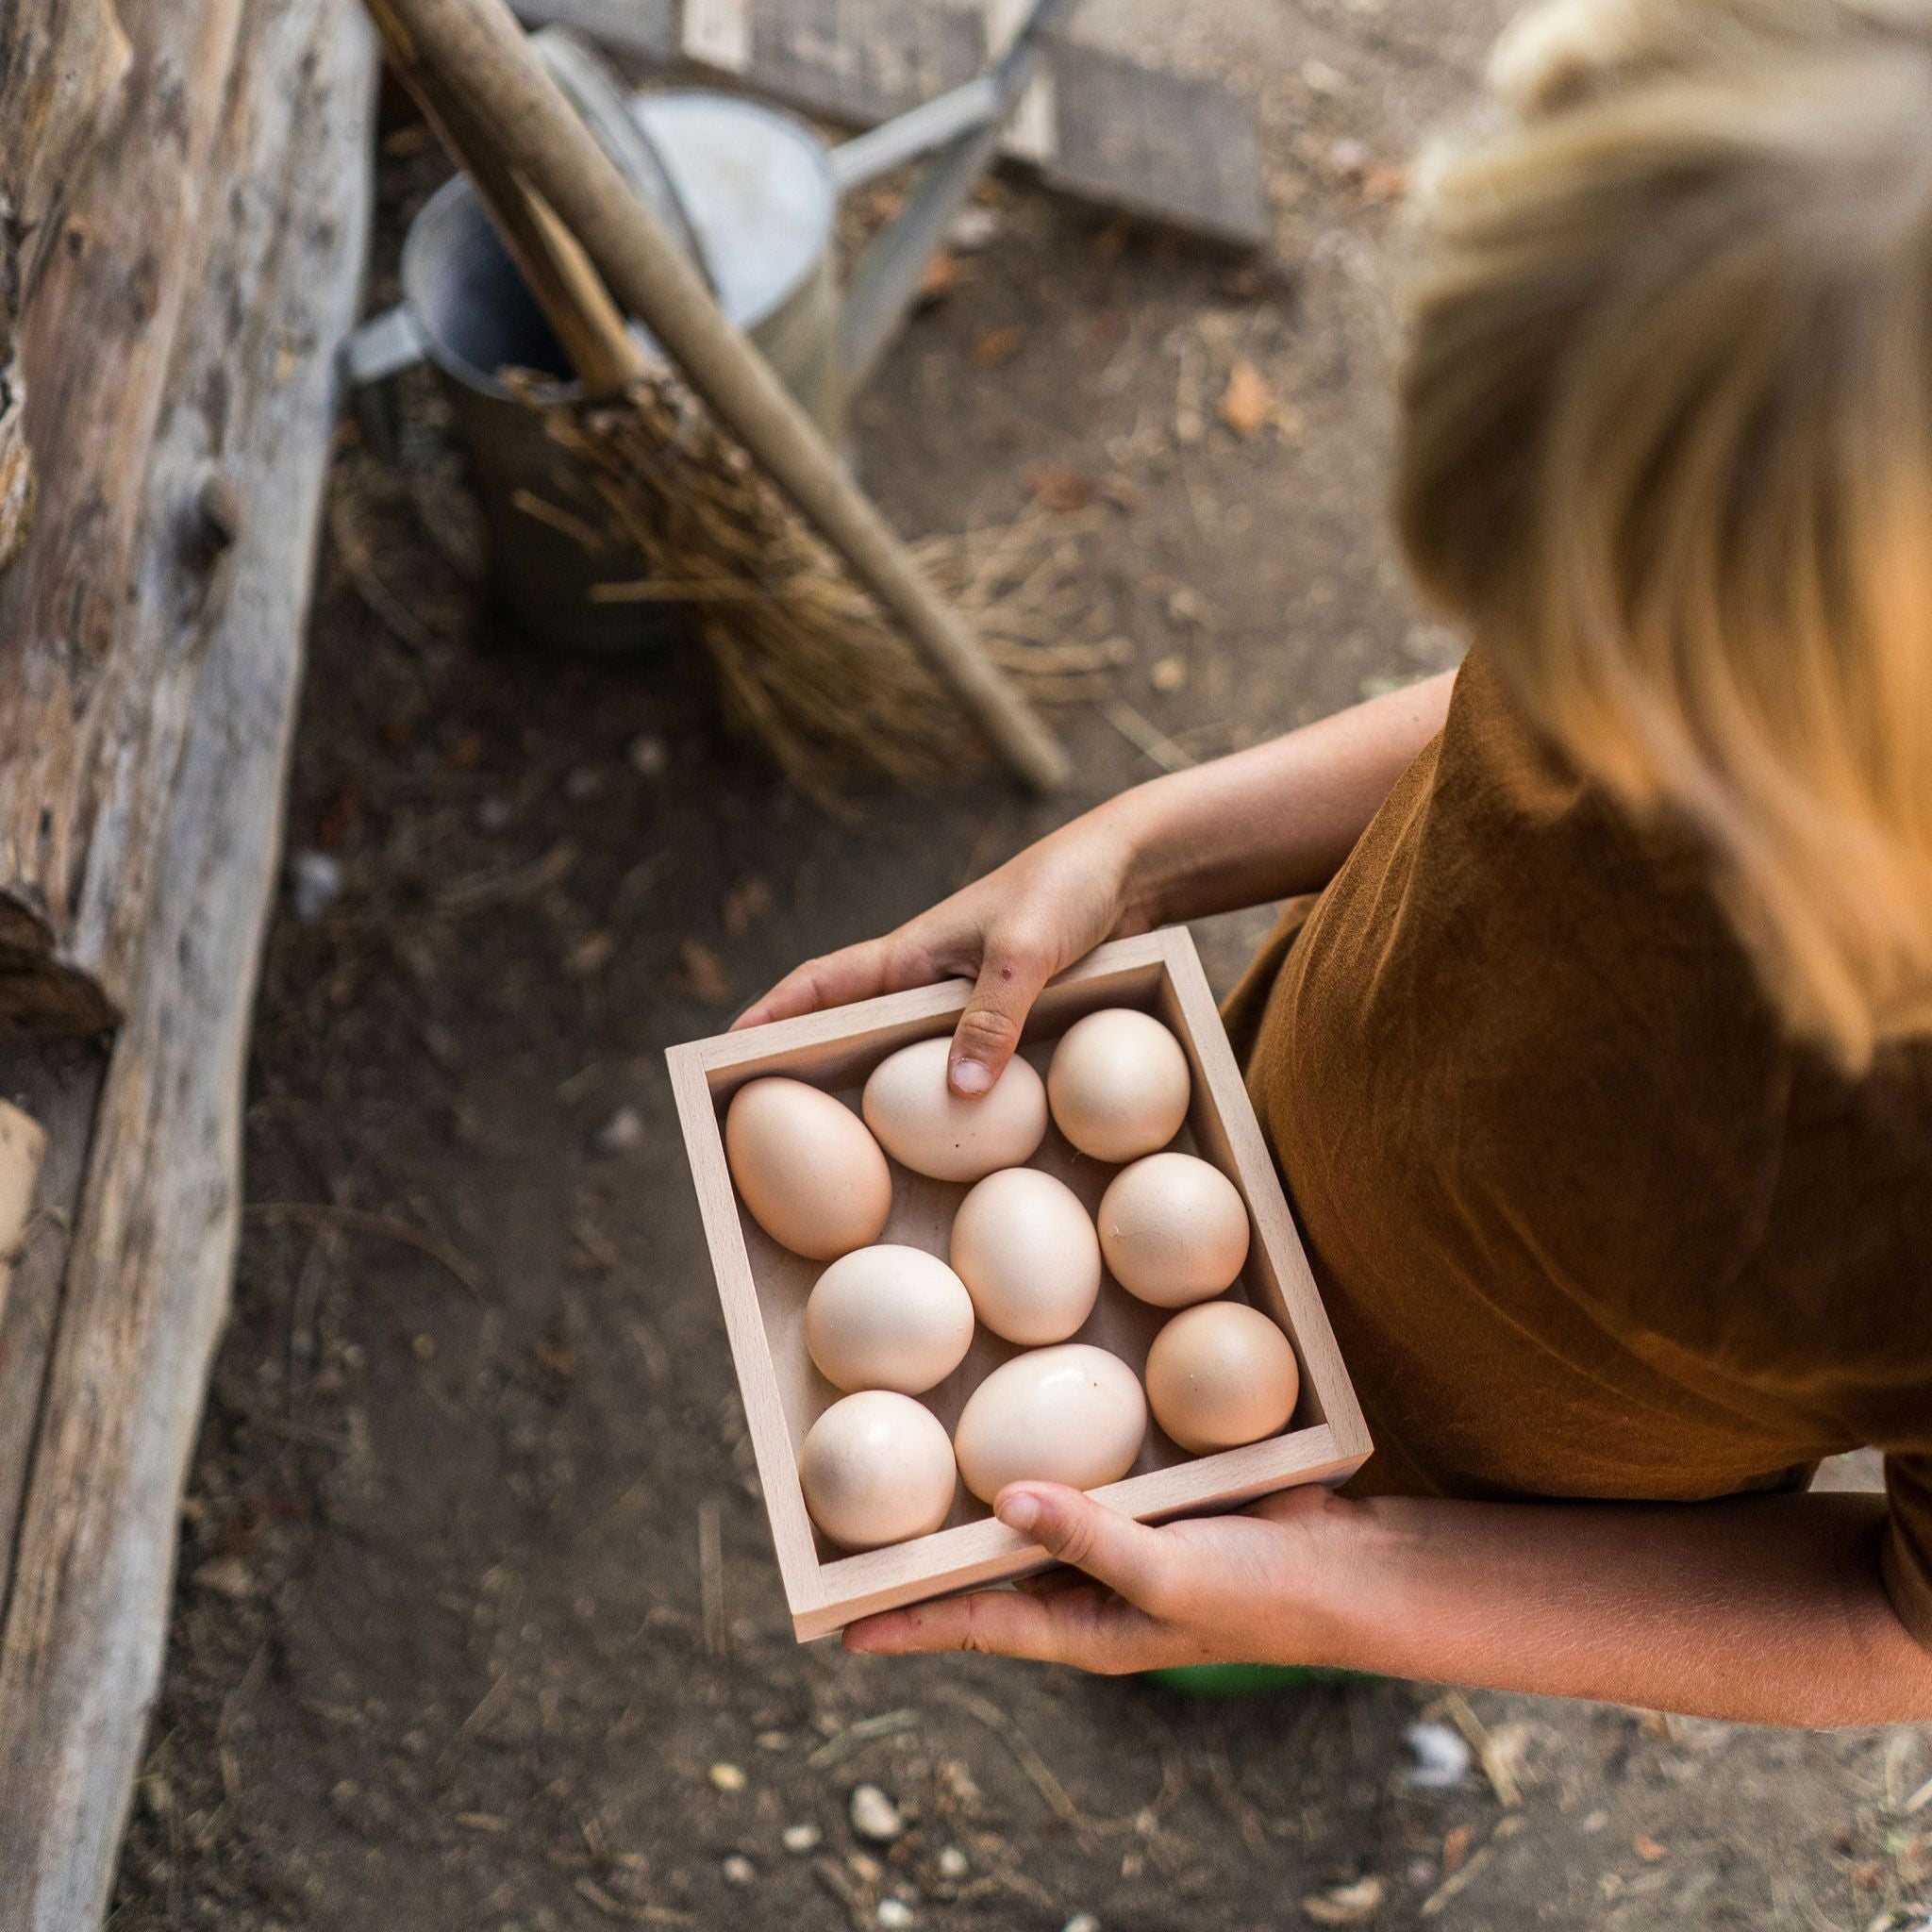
[440, 1658]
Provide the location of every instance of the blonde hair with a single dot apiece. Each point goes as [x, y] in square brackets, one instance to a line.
[1666, 448]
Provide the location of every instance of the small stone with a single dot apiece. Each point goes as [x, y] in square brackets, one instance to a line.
[727, 1778]
[738, 1870]
[874, 1816]
[895, 1914]
[226, 1576]
[582, 784]
[646, 756]
[1441, 1757]
[1081, 1922]
[768, 1740]
[1321, 78]
[867, 1870]
[800, 1838]
[953, 1863]
[1169, 675]
[495, 815]
[315, 883]
[973, 228]
[623, 1131]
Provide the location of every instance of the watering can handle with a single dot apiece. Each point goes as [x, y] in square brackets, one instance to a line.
[380, 348]
[965, 126]
[594, 92]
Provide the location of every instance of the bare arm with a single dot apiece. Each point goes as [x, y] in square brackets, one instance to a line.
[1259, 826]
[1278, 819]
[1766, 1610]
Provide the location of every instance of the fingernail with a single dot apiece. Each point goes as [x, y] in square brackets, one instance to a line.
[969, 1077]
[1020, 1512]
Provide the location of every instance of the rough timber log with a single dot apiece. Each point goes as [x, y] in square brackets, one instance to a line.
[150, 635]
[61, 63]
[95, 696]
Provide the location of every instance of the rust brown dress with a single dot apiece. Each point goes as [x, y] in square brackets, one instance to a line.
[1589, 1224]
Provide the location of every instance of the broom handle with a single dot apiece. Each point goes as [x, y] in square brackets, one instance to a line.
[585, 322]
[479, 52]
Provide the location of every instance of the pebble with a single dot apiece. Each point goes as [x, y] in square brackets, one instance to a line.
[875, 1816]
[583, 784]
[953, 1863]
[738, 1870]
[895, 1913]
[315, 883]
[1081, 1922]
[801, 1839]
[727, 1778]
[495, 815]
[972, 229]
[623, 1131]
[1442, 1757]
[647, 756]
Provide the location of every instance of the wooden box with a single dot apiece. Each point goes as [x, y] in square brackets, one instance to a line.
[764, 1287]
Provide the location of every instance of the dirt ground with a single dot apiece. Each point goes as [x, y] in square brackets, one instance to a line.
[440, 1659]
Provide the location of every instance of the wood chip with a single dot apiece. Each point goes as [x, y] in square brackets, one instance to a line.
[704, 974]
[1346, 1905]
[1058, 486]
[992, 346]
[1248, 402]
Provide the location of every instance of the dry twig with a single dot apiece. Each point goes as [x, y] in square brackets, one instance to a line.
[383, 1227]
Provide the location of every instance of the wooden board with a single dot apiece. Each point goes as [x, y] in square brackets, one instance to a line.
[1099, 126]
[62, 66]
[247, 397]
[59, 1083]
[762, 1287]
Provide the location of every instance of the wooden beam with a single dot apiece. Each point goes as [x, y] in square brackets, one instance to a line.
[281, 202]
[62, 66]
[1099, 126]
[92, 706]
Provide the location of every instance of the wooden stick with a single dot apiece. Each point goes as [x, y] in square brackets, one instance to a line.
[479, 52]
[577, 306]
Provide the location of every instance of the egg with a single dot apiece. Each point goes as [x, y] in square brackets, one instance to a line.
[876, 1468]
[1173, 1229]
[1222, 1374]
[810, 1174]
[923, 1125]
[889, 1317]
[1118, 1084]
[1072, 1414]
[1026, 1250]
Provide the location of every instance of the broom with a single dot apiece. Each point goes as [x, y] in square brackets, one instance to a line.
[814, 664]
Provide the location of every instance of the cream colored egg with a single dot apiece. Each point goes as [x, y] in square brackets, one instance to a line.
[924, 1126]
[1073, 1414]
[887, 1317]
[1026, 1249]
[1222, 1374]
[876, 1468]
[1118, 1084]
[811, 1174]
[1173, 1229]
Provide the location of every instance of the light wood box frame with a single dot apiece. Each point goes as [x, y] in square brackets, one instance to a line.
[1159, 972]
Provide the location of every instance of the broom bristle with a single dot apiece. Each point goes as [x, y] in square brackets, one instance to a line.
[806, 662]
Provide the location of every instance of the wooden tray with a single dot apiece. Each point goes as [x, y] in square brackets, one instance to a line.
[764, 1287]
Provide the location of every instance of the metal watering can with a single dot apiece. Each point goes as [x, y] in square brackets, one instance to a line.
[754, 196]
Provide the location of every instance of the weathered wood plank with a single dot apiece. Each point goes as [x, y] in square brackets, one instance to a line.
[89, 725]
[1172, 148]
[59, 1083]
[1167, 146]
[249, 401]
[61, 65]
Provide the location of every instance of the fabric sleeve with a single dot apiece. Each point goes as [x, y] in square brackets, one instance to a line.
[1907, 1548]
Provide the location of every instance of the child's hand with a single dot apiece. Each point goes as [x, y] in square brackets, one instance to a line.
[1215, 1589]
[1010, 932]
